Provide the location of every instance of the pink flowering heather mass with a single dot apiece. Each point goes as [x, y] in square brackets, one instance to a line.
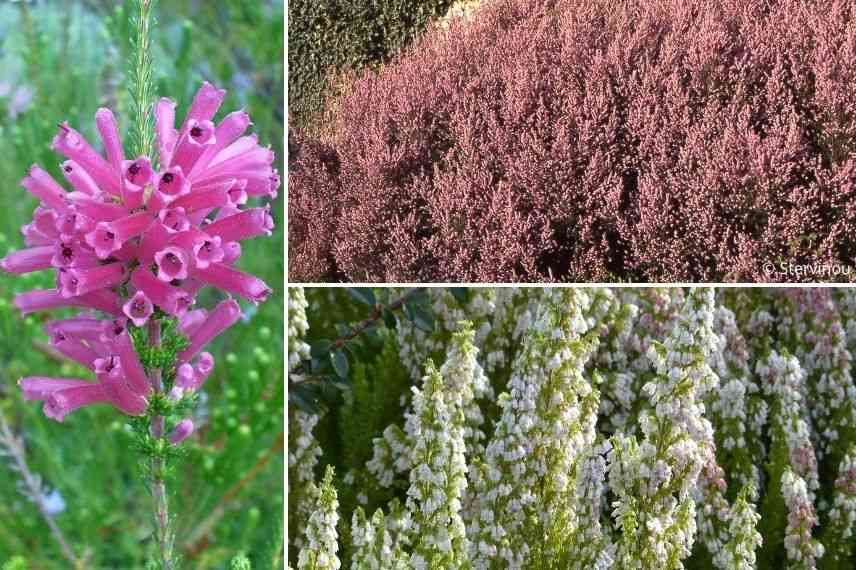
[132, 238]
[667, 140]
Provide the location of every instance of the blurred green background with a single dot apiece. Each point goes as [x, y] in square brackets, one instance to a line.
[61, 61]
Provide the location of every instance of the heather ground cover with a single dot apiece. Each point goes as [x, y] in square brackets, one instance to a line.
[557, 428]
[561, 140]
[225, 489]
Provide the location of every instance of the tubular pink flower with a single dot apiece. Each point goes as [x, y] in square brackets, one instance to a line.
[190, 378]
[263, 184]
[110, 236]
[103, 300]
[80, 328]
[28, 260]
[237, 192]
[199, 136]
[33, 237]
[224, 315]
[79, 178]
[37, 388]
[136, 175]
[71, 254]
[44, 219]
[204, 106]
[254, 162]
[75, 350]
[135, 375]
[75, 282]
[207, 252]
[234, 281]
[153, 240]
[109, 131]
[207, 199]
[46, 299]
[174, 219]
[230, 128]
[204, 367]
[45, 188]
[231, 252]
[185, 377]
[191, 321]
[171, 184]
[170, 299]
[138, 308]
[110, 375]
[181, 431]
[173, 263]
[243, 225]
[98, 210]
[70, 224]
[74, 146]
[165, 129]
[64, 401]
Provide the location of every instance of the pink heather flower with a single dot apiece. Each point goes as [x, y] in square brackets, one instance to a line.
[181, 431]
[191, 377]
[138, 308]
[222, 317]
[132, 237]
[182, 220]
[103, 346]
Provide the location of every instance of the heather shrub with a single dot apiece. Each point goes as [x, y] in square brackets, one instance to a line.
[657, 140]
[326, 36]
[572, 428]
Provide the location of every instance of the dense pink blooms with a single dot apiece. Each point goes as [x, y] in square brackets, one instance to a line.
[652, 140]
[124, 218]
[104, 347]
[132, 238]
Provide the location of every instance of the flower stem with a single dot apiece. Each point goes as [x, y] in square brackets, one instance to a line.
[163, 532]
[141, 76]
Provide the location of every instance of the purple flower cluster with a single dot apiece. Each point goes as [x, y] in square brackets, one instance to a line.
[133, 237]
[678, 140]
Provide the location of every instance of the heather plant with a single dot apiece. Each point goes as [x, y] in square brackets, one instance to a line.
[570, 428]
[116, 257]
[541, 140]
[327, 37]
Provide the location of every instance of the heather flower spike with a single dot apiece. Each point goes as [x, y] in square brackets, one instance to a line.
[132, 240]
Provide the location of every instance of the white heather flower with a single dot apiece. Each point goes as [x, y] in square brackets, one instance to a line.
[817, 336]
[782, 378]
[374, 548]
[297, 326]
[547, 419]
[438, 477]
[320, 551]
[739, 552]
[842, 515]
[802, 550]
[303, 454]
[656, 515]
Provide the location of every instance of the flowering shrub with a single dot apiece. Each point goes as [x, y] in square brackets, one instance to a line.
[334, 35]
[582, 141]
[575, 428]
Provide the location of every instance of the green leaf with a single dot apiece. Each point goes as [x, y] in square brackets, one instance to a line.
[340, 363]
[320, 347]
[461, 294]
[363, 294]
[423, 319]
